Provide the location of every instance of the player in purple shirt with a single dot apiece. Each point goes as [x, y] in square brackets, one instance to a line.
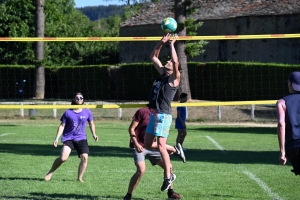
[72, 129]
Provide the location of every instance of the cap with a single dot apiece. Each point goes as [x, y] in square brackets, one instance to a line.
[294, 78]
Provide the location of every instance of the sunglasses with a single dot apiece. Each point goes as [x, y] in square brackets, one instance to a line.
[79, 98]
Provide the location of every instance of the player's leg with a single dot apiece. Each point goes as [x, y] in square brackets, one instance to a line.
[64, 155]
[83, 153]
[179, 138]
[171, 193]
[149, 141]
[137, 176]
[139, 160]
[82, 166]
[184, 133]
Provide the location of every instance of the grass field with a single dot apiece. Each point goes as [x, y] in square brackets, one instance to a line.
[223, 162]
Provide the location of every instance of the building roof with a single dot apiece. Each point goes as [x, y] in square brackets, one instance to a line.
[154, 13]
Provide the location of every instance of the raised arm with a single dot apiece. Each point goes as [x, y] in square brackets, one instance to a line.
[155, 53]
[176, 73]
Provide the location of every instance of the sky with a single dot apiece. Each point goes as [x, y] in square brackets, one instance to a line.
[83, 3]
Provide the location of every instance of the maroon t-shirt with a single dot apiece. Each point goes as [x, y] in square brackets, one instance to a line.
[142, 116]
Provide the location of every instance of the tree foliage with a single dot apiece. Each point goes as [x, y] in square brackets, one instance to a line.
[193, 49]
[17, 19]
[95, 13]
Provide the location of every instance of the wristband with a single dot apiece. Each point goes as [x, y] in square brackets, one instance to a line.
[56, 138]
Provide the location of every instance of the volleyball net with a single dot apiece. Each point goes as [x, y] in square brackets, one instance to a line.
[239, 84]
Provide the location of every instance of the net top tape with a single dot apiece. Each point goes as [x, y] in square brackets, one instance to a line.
[109, 106]
[124, 39]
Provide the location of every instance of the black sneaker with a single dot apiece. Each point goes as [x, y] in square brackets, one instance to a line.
[174, 195]
[127, 197]
[179, 152]
[168, 182]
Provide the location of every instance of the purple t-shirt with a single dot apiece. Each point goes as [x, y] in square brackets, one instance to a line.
[75, 124]
[142, 116]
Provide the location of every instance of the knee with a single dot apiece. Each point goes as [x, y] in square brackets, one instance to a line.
[63, 158]
[140, 173]
[84, 158]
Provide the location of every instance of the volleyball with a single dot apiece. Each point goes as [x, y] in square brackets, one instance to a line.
[169, 25]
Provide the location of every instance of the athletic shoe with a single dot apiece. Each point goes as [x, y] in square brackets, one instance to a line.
[179, 152]
[174, 195]
[127, 197]
[168, 182]
[184, 149]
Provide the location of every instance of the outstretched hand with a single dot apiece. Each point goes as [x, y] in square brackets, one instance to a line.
[166, 38]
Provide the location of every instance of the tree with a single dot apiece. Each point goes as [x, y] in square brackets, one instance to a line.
[128, 2]
[180, 17]
[186, 48]
[39, 51]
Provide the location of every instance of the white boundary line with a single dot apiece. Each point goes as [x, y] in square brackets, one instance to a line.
[263, 185]
[5, 134]
[250, 175]
[216, 144]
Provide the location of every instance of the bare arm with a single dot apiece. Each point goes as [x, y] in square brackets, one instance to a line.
[176, 74]
[281, 109]
[132, 135]
[60, 130]
[93, 130]
[155, 53]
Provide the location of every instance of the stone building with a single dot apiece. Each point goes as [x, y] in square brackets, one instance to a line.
[223, 17]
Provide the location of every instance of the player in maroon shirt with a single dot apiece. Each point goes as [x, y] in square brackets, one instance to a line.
[137, 131]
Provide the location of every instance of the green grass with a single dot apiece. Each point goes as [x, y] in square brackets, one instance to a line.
[246, 168]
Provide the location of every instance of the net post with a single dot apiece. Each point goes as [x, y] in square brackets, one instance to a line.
[187, 113]
[219, 113]
[252, 111]
[22, 111]
[119, 113]
[54, 111]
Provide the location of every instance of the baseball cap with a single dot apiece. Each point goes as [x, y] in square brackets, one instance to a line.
[294, 78]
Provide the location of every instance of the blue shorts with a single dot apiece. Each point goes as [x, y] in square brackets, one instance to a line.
[159, 124]
[178, 124]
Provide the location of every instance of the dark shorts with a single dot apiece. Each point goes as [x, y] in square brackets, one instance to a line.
[80, 146]
[294, 157]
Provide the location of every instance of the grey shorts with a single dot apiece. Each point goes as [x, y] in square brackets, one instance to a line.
[152, 155]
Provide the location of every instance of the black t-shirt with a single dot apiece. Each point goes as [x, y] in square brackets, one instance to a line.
[162, 94]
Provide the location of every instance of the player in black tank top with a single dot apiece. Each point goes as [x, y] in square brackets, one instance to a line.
[161, 96]
[288, 109]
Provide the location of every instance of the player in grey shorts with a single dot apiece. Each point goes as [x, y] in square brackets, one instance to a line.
[137, 130]
[152, 155]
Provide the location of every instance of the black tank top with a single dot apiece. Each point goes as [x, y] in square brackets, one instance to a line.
[292, 121]
[161, 95]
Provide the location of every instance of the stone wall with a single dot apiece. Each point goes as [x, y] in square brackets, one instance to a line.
[255, 50]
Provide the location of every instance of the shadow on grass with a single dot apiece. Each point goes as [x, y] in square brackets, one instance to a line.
[192, 155]
[49, 150]
[232, 157]
[251, 130]
[8, 125]
[23, 179]
[38, 196]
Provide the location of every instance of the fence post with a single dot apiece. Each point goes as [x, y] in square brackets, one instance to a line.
[187, 113]
[219, 113]
[119, 113]
[252, 111]
[22, 111]
[54, 111]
